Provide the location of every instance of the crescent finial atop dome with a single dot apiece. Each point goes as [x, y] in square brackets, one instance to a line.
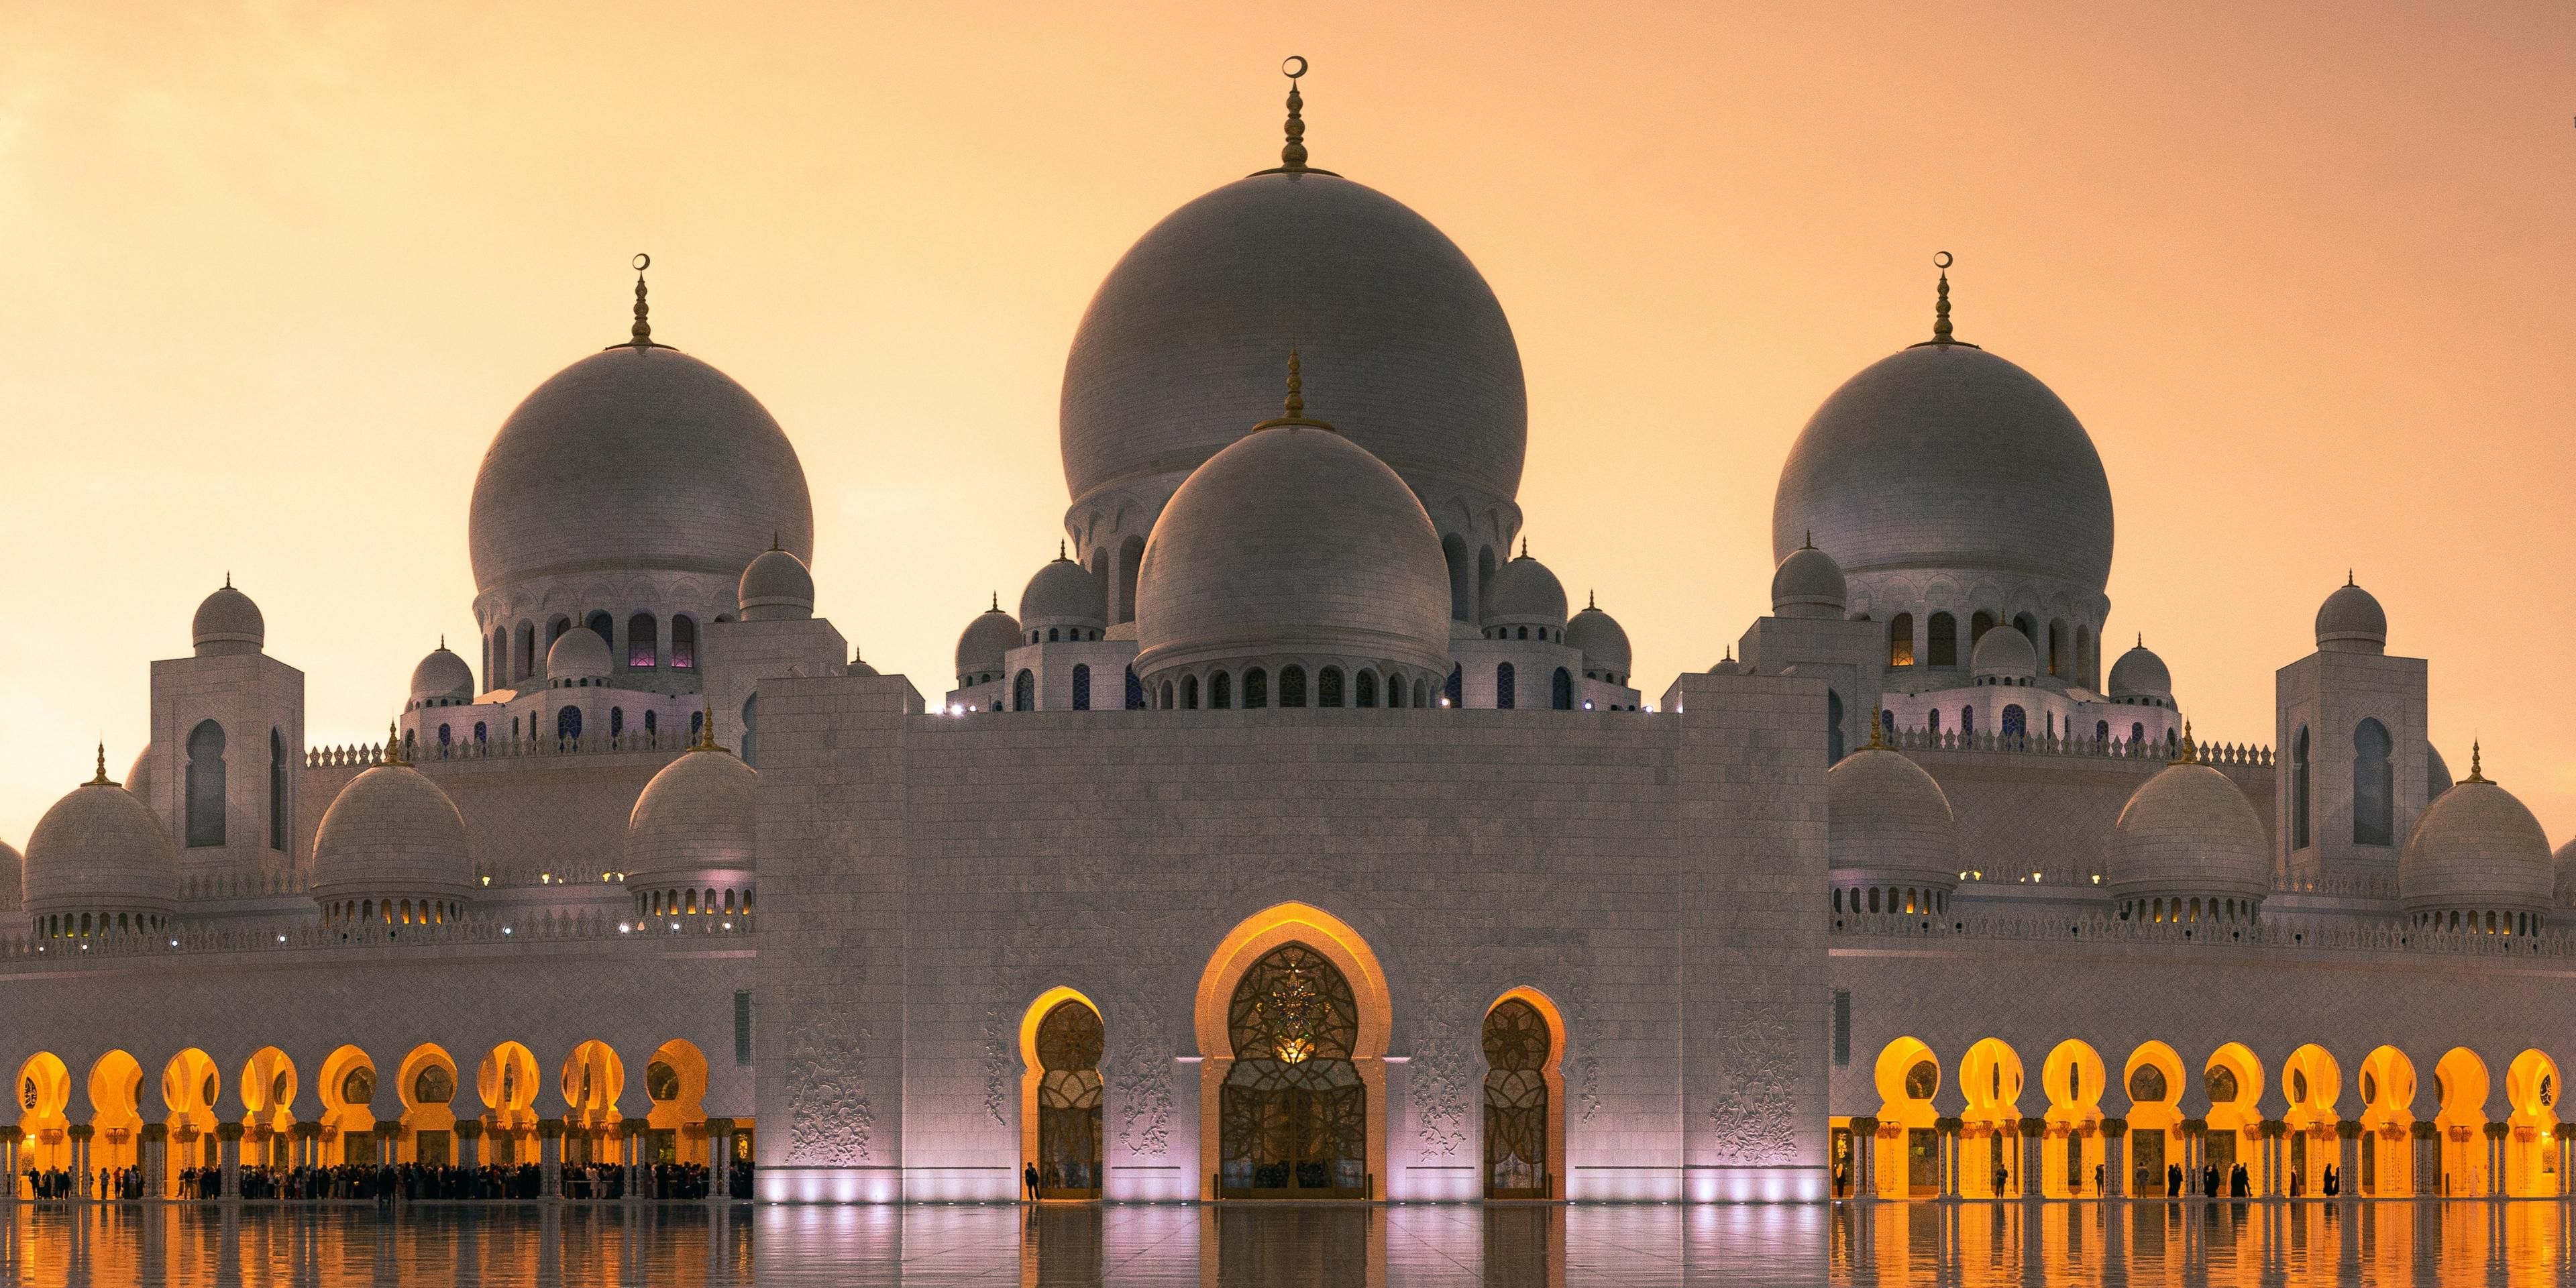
[641, 335]
[1941, 305]
[1292, 154]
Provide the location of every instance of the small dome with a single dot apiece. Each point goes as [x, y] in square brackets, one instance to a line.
[13, 877]
[2138, 674]
[859, 666]
[981, 645]
[392, 832]
[100, 851]
[1524, 593]
[138, 776]
[442, 676]
[1063, 594]
[2188, 831]
[2565, 864]
[775, 587]
[1888, 821]
[227, 622]
[2005, 654]
[1727, 666]
[1293, 540]
[694, 818]
[1604, 646]
[579, 655]
[2351, 621]
[2437, 773]
[2476, 850]
[1808, 584]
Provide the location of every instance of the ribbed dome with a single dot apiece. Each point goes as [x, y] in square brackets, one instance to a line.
[391, 831]
[100, 850]
[442, 676]
[1604, 646]
[1888, 821]
[981, 645]
[775, 586]
[2004, 653]
[1293, 541]
[227, 622]
[1943, 457]
[2188, 831]
[636, 460]
[1809, 583]
[578, 655]
[694, 818]
[1180, 348]
[1524, 593]
[2476, 849]
[2351, 621]
[2138, 674]
[1063, 594]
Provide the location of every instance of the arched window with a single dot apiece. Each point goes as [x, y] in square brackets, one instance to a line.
[2374, 792]
[751, 731]
[1517, 1043]
[1256, 689]
[1367, 686]
[1024, 692]
[482, 733]
[2101, 731]
[684, 644]
[1978, 625]
[616, 721]
[2061, 658]
[1131, 559]
[643, 642]
[1932, 721]
[652, 726]
[1945, 640]
[1461, 587]
[206, 784]
[1082, 687]
[1422, 692]
[568, 723]
[2084, 661]
[697, 724]
[1292, 686]
[1967, 721]
[1167, 695]
[1328, 687]
[1560, 690]
[605, 627]
[1135, 691]
[278, 766]
[2016, 724]
[1221, 691]
[1503, 694]
[1052, 635]
[1069, 1045]
[1833, 727]
[527, 651]
[1455, 690]
[2299, 791]
[1189, 693]
[1900, 640]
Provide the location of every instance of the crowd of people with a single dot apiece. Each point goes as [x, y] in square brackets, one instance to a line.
[384, 1183]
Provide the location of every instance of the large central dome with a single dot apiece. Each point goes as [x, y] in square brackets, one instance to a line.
[639, 459]
[1179, 351]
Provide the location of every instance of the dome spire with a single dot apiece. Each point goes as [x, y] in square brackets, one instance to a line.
[2476, 774]
[640, 336]
[100, 780]
[1941, 305]
[393, 744]
[2188, 753]
[1292, 154]
[1295, 403]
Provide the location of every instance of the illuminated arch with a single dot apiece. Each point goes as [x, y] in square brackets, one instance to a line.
[347, 1117]
[43, 1094]
[1551, 1076]
[426, 1086]
[506, 1082]
[2387, 1085]
[115, 1087]
[2073, 1078]
[591, 1080]
[2532, 1088]
[1907, 1075]
[1990, 1076]
[2461, 1085]
[2232, 1080]
[1253, 939]
[268, 1087]
[679, 1102]
[1033, 1073]
[190, 1083]
[2153, 1083]
[2312, 1085]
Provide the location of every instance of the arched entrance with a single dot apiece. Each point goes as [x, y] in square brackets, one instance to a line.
[1292, 1019]
[2311, 1082]
[1524, 1118]
[1990, 1162]
[2154, 1082]
[348, 1120]
[2531, 1144]
[2387, 1124]
[2073, 1079]
[2460, 1083]
[1906, 1158]
[188, 1087]
[1061, 1041]
[675, 1080]
[44, 1093]
[115, 1112]
[506, 1081]
[593, 1077]
[426, 1084]
[268, 1100]
[2233, 1081]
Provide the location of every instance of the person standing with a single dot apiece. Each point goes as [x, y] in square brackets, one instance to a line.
[2173, 1180]
[1029, 1179]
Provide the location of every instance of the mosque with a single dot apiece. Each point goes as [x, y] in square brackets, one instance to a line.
[1295, 838]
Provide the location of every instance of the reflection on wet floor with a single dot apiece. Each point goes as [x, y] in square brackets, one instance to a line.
[1970, 1244]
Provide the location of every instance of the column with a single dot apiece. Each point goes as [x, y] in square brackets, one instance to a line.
[9, 1138]
[632, 1129]
[1949, 1138]
[82, 1181]
[2496, 1133]
[230, 1134]
[550, 1158]
[152, 1157]
[2347, 1157]
[2562, 1133]
[2191, 1132]
[469, 1143]
[2428, 1160]
[2033, 1130]
[2276, 1160]
[2115, 1163]
[719, 1157]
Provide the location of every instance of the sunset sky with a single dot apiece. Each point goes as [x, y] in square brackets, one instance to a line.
[271, 275]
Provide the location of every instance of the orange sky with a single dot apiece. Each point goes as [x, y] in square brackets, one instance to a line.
[272, 274]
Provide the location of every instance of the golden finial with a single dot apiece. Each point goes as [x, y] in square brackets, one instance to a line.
[2188, 753]
[641, 336]
[1059, 551]
[1810, 542]
[1292, 157]
[997, 603]
[706, 727]
[1524, 545]
[228, 579]
[773, 539]
[1941, 306]
[2476, 771]
[1876, 739]
[393, 743]
[2347, 577]
[1591, 600]
[2142, 639]
[442, 641]
[1295, 404]
[101, 779]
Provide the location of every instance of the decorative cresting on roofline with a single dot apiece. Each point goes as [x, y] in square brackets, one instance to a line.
[641, 335]
[1292, 156]
[1941, 306]
[1294, 404]
[2389, 934]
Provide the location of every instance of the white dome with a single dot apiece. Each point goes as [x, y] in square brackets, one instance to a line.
[13, 877]
[1293, 541]
[639, 459]
[1944, 457]
[2138, 674]
[578, 655]
[694, 818]
[2564, 863]
[1809, 583]
[981, 645]
[1524, 593]
[2477, 849]
[1180, 347]
[2188, 832]
[138, 776]
[2437, 773]
[2004, 653]
[392, 832]
[775, 586]
[2351, 621]
[1063, 594]
[1604, 646]
[442, 677]
[228, 622]
[100, 851]
[1889, 822]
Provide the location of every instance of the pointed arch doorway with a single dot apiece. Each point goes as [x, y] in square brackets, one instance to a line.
[1292, 1023]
